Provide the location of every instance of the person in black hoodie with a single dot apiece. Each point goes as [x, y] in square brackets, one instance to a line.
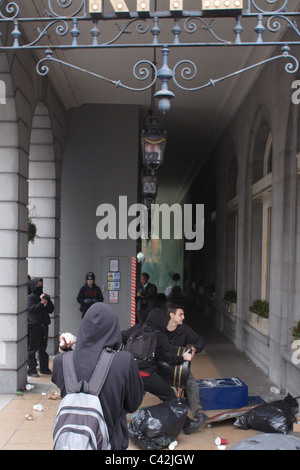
[123, 389]
[89, 294]
[39, 308]
[157, 321]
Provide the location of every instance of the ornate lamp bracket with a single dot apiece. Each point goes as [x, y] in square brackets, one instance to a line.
[64, 25]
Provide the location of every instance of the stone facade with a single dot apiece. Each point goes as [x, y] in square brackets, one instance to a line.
[250, 186]
[22, 128]
[256, 223]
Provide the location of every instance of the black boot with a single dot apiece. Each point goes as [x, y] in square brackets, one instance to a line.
[192, 425]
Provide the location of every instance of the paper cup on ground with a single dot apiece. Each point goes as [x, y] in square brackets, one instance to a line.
[221, 441]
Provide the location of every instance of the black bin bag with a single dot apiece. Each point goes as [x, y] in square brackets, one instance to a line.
[155, 427]
[273, 417]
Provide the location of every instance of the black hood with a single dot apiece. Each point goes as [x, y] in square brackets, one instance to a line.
[33, 284]
[98, 329]
[157, 319]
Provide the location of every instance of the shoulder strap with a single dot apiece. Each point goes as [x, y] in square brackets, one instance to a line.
[98, 378]
[70, 378]
[101, 371]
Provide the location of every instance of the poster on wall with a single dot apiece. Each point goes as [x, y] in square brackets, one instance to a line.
[114, 265]
[113, 297]
[113, 276]
[113, 281]
[114, 286]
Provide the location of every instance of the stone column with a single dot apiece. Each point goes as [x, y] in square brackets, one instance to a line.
[43, 253]
[13, 243]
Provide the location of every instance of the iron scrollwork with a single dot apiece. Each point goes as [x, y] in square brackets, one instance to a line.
[189, 71]
[12, 10]
[65, 19]
[140, 71]
[65, 5]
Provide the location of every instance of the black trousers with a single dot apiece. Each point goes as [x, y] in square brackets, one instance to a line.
[156, 385]
[37, 342]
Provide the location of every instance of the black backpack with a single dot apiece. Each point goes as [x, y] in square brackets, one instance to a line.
[142, 345]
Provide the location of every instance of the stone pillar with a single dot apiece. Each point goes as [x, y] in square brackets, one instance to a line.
[43, 253]
[13, 243]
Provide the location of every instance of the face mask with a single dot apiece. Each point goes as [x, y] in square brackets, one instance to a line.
[38, 291]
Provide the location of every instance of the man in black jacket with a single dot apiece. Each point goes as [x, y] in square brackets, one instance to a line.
[179, 334]
[89, 294]
[146, 298]
[123, 389]
[39, 308]
[156, 321]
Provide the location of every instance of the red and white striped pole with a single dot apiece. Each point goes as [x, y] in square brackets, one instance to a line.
[133, 291]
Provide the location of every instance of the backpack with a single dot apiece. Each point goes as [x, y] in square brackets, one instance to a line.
[80, 423]
[142, 345]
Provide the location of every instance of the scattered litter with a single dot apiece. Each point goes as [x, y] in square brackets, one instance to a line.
[54, 395]
[275, 390]
[29, 417]
[221, 441]
[20, 393]
[38, 407]
[222, 447]
[173, 445]
[296, 427]
[29, 387]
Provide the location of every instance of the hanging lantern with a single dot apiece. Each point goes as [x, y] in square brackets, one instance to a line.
[149, 186]
[153, 144]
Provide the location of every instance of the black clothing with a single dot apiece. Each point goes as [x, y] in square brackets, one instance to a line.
[38, 313]
[156, 321]
[87, 296]
[157, 386]
[154, 383]
[146, 302]
[38, 321]
[38, 341]
[123, 390]
[184, 335]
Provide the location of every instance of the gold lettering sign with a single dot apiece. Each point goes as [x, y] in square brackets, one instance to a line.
[95, 6]
[120, 6]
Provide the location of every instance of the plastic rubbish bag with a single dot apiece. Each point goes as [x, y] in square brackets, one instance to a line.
[273, 417]
[155, 427]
